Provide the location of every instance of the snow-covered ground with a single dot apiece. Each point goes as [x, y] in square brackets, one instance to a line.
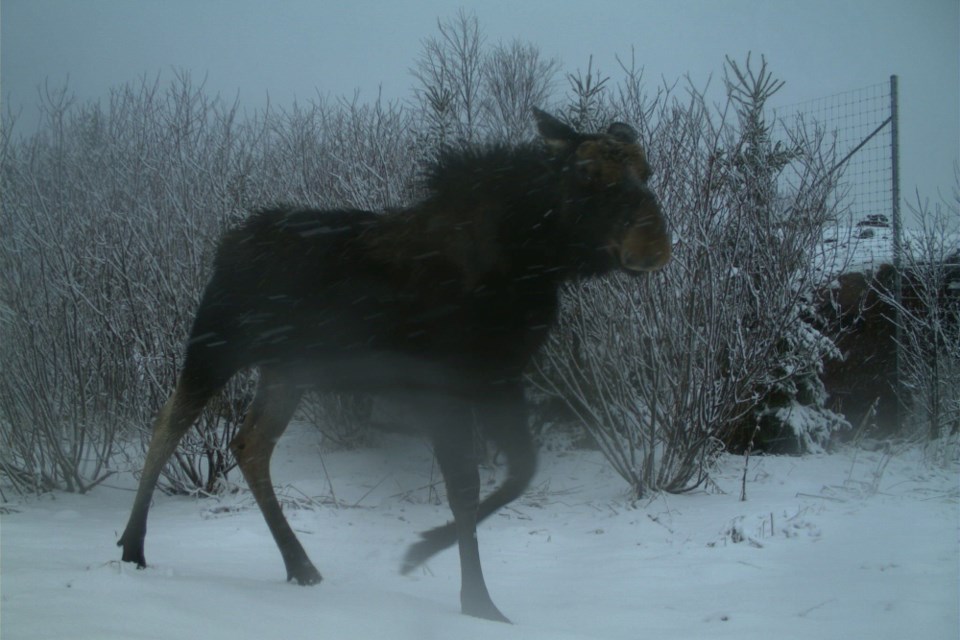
[853, 249]
[847, 545]
[865, 248]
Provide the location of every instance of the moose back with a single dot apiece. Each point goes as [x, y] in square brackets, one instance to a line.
[444, 302]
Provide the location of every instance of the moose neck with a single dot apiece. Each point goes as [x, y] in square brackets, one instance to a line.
[500, 213]
[495, 214]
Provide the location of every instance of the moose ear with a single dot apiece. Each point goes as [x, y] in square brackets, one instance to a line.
[622, 132]
[557, 135]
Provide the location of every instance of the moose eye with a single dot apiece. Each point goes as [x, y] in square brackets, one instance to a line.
[585, 169]
[644, 170]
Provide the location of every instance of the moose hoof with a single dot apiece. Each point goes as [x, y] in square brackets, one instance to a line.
[487, 611]
[417, 554]
[133, 553]
[304, 575]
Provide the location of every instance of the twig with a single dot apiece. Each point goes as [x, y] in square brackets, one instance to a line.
[98, 481]
[657, 520]
[746, 462]
[810, 495]
[803, 614]
[860, 431]
[404, 495]
[333, 493]
[369, 491]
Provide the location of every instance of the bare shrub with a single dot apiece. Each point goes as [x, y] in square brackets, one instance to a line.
[449, 72]
[660, 368]
[467, 92]
[926, 310]
[110, 214]
[516, 79]
[343, 420]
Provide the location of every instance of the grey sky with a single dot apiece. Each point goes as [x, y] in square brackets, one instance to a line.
[295, 48]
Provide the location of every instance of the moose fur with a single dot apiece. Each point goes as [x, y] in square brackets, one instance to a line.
[443, 303]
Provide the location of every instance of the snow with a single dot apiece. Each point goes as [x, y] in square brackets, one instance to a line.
[811, 425]
[864, 249]
[853, 249]
[852, 544]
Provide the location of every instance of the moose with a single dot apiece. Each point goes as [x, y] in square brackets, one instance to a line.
[442, 304]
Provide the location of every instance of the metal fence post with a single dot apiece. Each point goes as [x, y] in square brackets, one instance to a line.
[897, 247]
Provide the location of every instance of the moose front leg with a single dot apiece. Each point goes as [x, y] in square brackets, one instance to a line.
[454, 449]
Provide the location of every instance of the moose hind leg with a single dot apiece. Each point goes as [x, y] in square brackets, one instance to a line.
[458, 463]
[273, 406]
[174, 419]
[505, 425]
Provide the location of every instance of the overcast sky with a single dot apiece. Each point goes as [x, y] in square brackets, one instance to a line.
[296, 48]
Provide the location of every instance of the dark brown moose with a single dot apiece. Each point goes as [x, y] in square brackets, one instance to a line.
[442, 304]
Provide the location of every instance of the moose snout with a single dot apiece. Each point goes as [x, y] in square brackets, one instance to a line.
[646, 246]
[646, 256]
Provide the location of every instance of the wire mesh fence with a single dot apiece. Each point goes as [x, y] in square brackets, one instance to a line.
[860, 125]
